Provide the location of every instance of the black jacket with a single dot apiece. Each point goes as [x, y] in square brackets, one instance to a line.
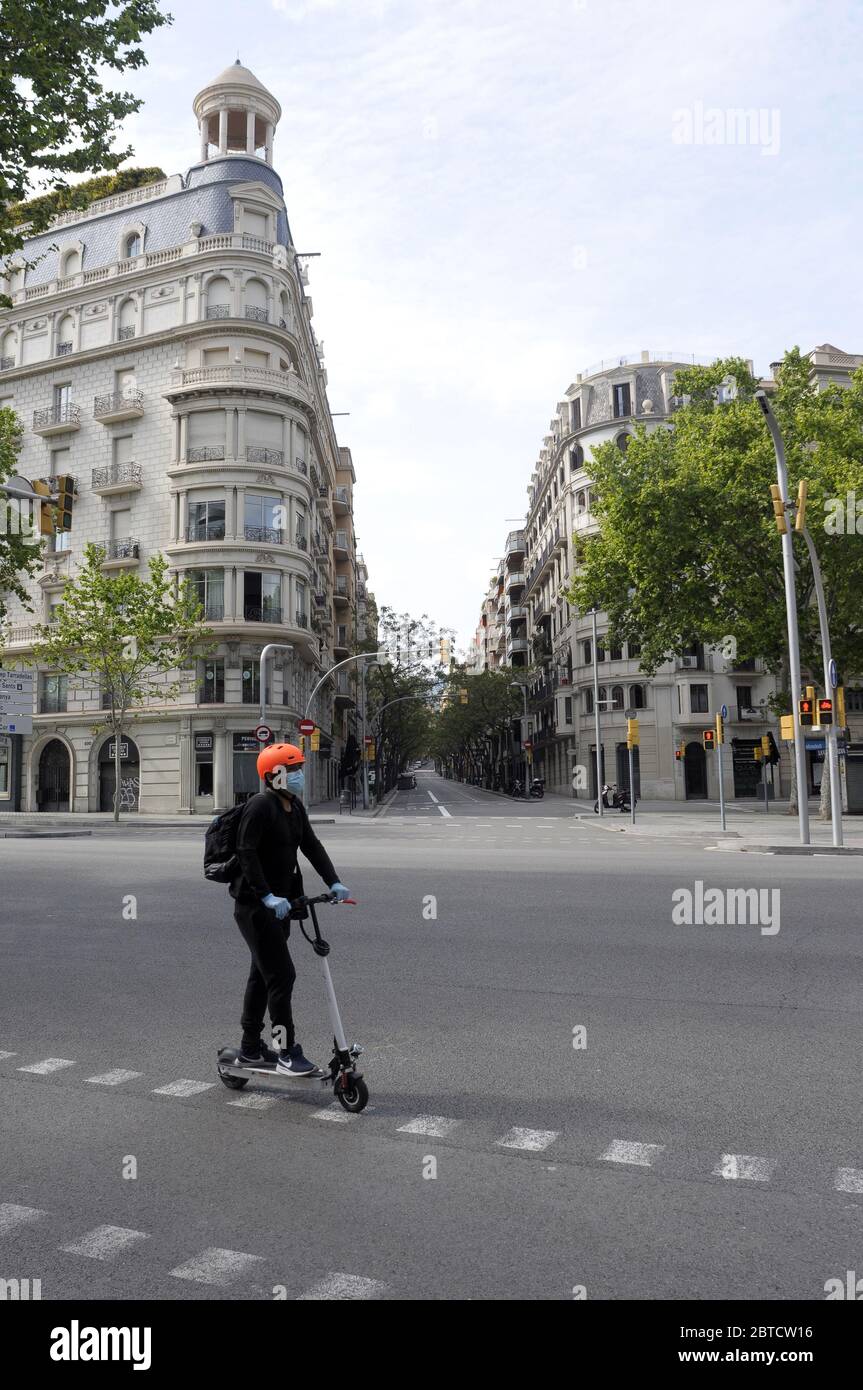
[268, 839]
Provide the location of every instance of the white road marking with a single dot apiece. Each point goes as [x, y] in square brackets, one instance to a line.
[849, 1180]
[625, 1151]
[50, 1064]
[256, 1101]
[338, 1285]
[4, 1055]
[435, 1126]
[12, 1215]
[533, 1140]
[333, 1112]
[215, 1266]
[444, 812]
[433, 797]
[114, 1078]
[183, 1087]
[744, 1166]
[105, 1242]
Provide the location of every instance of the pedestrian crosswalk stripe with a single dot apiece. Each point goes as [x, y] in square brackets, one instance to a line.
[11, 1215]
[625, 1151]
[435, 1126]
[216, 1266]
[50, 1064]
[105, 1242]
[114, 1078]
[533, 1140]
[343, 1286]
[255, 1100]
[5, 1055]
[849, 1180]
[183, 1087]
[744, 1166]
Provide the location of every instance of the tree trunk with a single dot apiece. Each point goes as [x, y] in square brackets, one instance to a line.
[116, 774]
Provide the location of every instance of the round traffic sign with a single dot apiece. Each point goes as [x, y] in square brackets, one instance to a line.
[833, 673]
[306, 726]
[263, 734]
[368, 740]
[724, 711]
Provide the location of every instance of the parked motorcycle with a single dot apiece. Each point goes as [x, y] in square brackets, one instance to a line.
[537, 790]
[613, 799]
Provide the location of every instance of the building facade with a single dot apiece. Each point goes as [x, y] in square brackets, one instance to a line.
[164, 356]
[606, 403]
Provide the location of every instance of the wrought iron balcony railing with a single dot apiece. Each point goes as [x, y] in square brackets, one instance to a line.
[206, 531]
[124, 334]
[268, 613]
[264, 535]
[114, 401]
[56, 415]
[256, 453]
[127, 549]
[258, 315]
[218, 311]
[205, 453]
[115, 474]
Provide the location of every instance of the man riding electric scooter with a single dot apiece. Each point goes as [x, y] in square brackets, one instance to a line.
[273, 826]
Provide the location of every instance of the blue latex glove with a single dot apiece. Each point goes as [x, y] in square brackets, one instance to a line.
[280, 906]
[339, 891]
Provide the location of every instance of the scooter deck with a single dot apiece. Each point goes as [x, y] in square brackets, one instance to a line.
[229, 1065]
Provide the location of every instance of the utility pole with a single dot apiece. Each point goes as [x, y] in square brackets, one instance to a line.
[596, 718]
[781, 506]
[831, 732]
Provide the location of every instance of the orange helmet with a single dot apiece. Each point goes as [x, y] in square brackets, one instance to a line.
[277, 755]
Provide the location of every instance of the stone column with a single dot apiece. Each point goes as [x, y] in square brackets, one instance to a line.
[205, 120]
[241, 432]
[220, 769]
[240, 533]
[269, 143]
[250, 132]
[223, 132]
[184, 798]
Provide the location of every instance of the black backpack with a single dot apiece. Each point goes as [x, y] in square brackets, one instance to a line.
[221, 864]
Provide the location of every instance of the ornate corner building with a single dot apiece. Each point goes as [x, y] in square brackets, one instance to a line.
[160, 350]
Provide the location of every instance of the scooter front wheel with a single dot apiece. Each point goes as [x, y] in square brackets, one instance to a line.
[355, 1097]
[233, 1083]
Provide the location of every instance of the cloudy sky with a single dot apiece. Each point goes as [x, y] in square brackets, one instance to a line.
[504, 194]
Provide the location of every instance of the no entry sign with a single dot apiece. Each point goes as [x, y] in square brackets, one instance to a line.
[306, 726]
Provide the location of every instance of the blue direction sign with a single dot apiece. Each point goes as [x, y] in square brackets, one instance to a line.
[833, 674]
[724, 711]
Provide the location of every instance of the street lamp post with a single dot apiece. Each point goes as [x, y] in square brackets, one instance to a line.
[378, 656]
[830, 733]
[519, 685]
[791, 614]
[596, 718]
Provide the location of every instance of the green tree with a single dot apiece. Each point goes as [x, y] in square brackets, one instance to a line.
[687, 549]
[58, 117]
[465, 734]
[20, 548]
[132, 634]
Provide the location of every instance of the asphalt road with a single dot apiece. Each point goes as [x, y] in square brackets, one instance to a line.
[704, 1142]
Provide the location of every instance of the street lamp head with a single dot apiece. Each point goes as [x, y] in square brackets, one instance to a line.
[761, 397]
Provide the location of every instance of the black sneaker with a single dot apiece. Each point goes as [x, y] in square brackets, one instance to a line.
[293, 1063]
[260, 1056]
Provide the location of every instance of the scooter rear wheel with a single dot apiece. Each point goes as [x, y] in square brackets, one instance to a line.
[233, 1083]
[355, 1098]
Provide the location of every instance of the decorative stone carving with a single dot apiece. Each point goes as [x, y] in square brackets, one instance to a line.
[265, 557]
[265, 478]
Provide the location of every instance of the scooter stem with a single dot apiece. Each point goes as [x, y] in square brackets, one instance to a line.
[335, 1016]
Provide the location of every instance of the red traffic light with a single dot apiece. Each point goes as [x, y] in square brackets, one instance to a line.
[805, 710]
[825, 711]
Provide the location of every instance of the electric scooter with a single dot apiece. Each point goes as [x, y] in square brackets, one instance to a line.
[348, 1085]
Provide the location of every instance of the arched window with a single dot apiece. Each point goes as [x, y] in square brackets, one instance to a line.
[576, 458]
[132, 245]
[71, 263]
[622, 442]
[255, 299]
[602, 694]
[636, 696]
[8, 349]
[65, 335]
[218, 298]
[588, 701]
[581, 502]
[126, 320]
[285, 315]
[617, 697]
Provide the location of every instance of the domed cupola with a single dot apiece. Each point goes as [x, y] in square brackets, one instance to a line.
[236, 115]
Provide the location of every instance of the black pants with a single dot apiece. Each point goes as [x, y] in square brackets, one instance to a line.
[271, 978]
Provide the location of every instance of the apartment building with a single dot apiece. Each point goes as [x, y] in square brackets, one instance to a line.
[163, 354]
[674, 706]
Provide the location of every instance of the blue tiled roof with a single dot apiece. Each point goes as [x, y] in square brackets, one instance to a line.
[205, 198]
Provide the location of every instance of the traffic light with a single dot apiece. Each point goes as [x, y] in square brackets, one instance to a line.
[316, 741]
[779, 509]
[632, 733]
[757, 753]
[766, 750]
[708, 738]
[825, 712]
[462, 695]
[46, 508]
[806, 710]
[65, 496]
[802, 490]
[840, 706]
[680, 752]
[720, 729]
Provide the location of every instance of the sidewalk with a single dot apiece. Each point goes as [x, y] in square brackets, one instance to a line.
[749, 828]
[83, 822]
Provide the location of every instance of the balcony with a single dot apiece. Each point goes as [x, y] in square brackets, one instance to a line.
[341, 501]
[117, 477]
[300, 541]
[205, 453]
[56, 419]
[205, 531]
[262, 380]
[264, 535]
[517, 613]
[514, 544]
[320, 597]
[271, 458]
[514, 580]
[257, 243]
[319, 545]
[18, 635]
[110, 409]
[516, 644]
[218, 311]
[122, 554]
[256, 315]
[124, 334]
[63, 349]
[6, 364]
[340, 593]
[340, 545]
[266, 613]
[302, 617]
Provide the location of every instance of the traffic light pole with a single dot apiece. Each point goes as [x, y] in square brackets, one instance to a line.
[791, 615]
[596, 719]
[631, 789]
[831, 732]
[721, 785]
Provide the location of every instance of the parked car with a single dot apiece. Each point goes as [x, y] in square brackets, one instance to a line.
[407, 782]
